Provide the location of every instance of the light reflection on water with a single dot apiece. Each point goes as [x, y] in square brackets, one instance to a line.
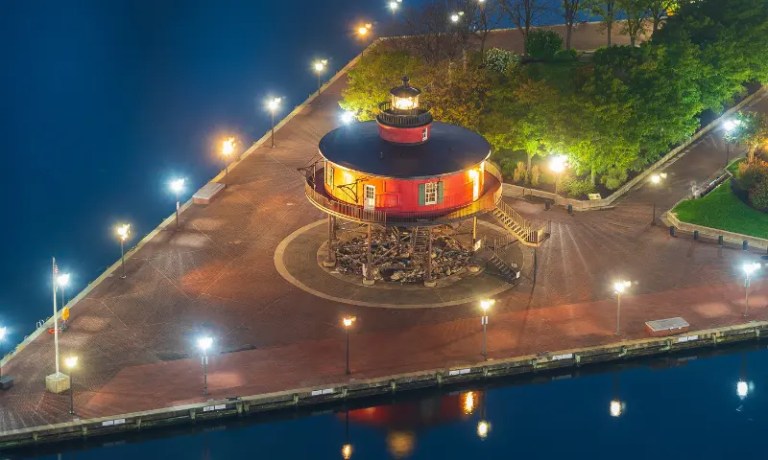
[671, 407]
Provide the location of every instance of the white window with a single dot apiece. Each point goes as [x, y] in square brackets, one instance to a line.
[424, 134]
[430, 193]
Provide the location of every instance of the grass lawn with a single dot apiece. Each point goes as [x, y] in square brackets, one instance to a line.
[722, 209]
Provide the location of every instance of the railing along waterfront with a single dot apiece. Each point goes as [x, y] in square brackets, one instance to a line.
[409, 118]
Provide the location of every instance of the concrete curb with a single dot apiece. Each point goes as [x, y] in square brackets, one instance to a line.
[671, 219]
[330, 393]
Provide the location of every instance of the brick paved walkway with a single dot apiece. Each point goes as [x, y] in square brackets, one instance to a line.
[135, 336]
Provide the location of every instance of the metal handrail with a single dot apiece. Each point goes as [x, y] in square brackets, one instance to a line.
[486, 202]
[407, 118]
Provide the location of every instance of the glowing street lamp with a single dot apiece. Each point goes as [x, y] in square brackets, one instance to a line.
[729, 126]
[319, 67]
[177, 186]
[123, 233]
[558, 164]
[394, 5]
[62, 281]
[616, 408]
[347, 322]
[656, 179]
[749, 270]
[347, 117]
[204, 344]
[456, 17]
[364, 31]
[272, 105]
[485, 305]
[619, 287]
[70, 362]
[3, 333]
[227, 150]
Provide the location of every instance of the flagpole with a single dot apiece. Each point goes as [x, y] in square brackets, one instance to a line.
[55, 316]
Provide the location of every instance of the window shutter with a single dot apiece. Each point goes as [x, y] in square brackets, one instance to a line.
[422, 188]
[440, 192]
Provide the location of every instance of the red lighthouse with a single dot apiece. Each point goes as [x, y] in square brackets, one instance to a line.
[407, 171]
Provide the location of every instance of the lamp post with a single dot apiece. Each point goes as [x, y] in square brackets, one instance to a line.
[177, 186]
[62, 280]
[227, 149]
[364, 31]
[3, 332]
[656, 179]
[347, 117]
[319, 66]
[619, 287]
[729, 126]
[394, 5]
[347, 322]
[557, 165]
[70, 362]
[485, 305]
[272, 105]
[204, 344]
[749, 270]
[346, 448]
[456, 17]
[123, 233]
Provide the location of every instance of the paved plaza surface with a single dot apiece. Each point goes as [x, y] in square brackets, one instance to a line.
[135, 337]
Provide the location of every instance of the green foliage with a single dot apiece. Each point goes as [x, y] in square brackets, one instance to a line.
[614, 178]
[499, 60]
[535, 175]
[751, 174]
[577, 188]
[751, 129]
[758, 195]
[722, 209]
[543, 44]
[566, 55]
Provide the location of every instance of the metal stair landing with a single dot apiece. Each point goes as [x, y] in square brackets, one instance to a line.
[519, 227]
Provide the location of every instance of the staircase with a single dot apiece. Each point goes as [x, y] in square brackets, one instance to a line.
[508, 272]
[420, 242]
[519, 227]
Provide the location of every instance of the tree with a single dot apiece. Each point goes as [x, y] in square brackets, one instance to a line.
[606, 11]
[751, 130]
[374, 75]
[481, 18]
[523, 13]
[659, 9]
[570, 13]
[636, 16]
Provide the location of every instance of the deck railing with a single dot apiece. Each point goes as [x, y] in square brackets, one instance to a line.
[409, 118]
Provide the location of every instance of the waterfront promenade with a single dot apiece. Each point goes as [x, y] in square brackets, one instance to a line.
[135, 337]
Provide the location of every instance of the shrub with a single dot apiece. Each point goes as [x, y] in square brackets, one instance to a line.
[751, 174]
[543, 44]
[499, 60]
[578, 188]
[614, 178]
[758, 195]
[535, 175]
[566, 55]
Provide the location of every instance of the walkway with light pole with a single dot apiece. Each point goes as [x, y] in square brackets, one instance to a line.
[619, 287]
[485, 305]
[347, 322]
[272, 105]
[319, 67]
[204, 344]
[656, 179]
[227, 150]
[177, 186]
[70, 362]
[558, 165]
[749, 270]
[123, 233]
[729, 126]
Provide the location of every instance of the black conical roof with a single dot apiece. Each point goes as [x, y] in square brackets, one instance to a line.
[405, 90]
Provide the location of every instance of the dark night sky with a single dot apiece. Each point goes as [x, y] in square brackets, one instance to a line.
[104, 101]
